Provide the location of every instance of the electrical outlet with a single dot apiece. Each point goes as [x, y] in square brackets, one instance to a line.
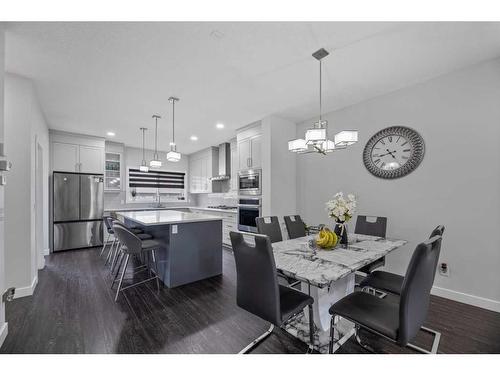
[174, 229]
[444, 269]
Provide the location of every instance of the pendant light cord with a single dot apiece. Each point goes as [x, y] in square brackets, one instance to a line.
[173, 123]
[143, 146]
[156, 138]
[320, 109]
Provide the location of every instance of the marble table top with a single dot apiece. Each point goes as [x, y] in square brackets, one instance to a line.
[163, 217]
[322, 267]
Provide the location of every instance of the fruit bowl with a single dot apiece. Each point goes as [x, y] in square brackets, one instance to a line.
[326, 239]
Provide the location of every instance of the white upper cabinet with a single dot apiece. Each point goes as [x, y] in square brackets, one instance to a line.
[255, 154]
[234, 165]
[77, 153]
[249, 148]
[64, 157]
[202, 166]
[91, 159]
[244, 154]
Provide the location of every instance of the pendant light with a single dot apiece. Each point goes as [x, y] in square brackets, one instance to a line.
[156, 162]
[316, 138]
[144, 166]
[173, 155]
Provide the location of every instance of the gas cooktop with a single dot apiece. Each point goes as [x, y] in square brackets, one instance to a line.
[223, 207]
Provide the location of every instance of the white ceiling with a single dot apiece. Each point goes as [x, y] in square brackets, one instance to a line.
[97, 77]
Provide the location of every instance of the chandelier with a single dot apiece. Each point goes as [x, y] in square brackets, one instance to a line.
[316, 138]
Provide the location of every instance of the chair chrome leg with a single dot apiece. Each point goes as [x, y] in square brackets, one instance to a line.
[108, 257]
[258, 340]
[104, 245]
[361, 343]
[115, 258]
[373, 291]
[120, 262]
[121, 278]
[435, 342]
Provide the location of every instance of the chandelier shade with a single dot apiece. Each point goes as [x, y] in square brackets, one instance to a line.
[316, 138]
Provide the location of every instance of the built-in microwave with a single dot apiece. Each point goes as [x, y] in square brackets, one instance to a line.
[250, 182]
[249, 209]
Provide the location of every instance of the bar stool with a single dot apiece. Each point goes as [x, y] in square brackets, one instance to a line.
[138, 232]
[131, 244]
[107, 222]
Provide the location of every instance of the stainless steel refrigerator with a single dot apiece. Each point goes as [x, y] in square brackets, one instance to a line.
[78, 207]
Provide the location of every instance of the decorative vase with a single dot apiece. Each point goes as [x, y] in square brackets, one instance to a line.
[341, 232]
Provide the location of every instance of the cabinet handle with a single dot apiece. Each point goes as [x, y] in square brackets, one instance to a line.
[251, 162]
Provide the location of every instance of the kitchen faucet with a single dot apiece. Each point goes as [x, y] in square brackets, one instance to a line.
[157, 199]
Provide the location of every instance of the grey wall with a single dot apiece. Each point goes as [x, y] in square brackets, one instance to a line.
[279, 167]
[24, 126]
[457, 184]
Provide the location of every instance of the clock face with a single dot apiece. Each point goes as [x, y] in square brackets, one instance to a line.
[393, 152]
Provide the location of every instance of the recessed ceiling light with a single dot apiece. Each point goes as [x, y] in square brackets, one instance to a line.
[193, 138]
[219, 126]
[110, 134]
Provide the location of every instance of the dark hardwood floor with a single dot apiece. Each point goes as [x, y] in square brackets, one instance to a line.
[72, 311]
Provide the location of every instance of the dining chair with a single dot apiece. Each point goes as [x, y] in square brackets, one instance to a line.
[295, 226]
[397, 322]
[258, 290]
[269, 226]
[391, 282]
[366, 225]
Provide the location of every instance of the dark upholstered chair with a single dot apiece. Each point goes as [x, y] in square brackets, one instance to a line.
[398, 322]
[376, 228]
[271, 228]
[130, 244]
[258, 290]
[391, 282]
[295, 226]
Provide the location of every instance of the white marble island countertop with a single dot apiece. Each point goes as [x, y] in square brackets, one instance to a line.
[165, 217]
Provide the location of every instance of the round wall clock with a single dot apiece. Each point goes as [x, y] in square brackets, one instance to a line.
[394, 152]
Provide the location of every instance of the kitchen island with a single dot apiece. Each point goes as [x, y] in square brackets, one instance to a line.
[191, 243]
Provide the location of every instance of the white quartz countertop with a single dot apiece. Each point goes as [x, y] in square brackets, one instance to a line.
[170, 208]
[165, 217]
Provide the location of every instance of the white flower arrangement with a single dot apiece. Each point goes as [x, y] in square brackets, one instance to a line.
[341, 208]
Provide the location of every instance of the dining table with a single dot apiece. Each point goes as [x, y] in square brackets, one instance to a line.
[327, 275]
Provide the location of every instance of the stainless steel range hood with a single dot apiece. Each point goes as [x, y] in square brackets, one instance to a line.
[224, 163]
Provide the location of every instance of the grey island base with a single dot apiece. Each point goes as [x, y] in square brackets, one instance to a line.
[191, 243]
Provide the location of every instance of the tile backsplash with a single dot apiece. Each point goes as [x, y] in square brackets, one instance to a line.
[216, 199]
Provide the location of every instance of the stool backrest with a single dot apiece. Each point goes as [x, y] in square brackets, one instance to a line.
[295, 226]
[271, 229]
[416, 289]
[108, 221]
[377, 228]
[257, 289]
[132, 244]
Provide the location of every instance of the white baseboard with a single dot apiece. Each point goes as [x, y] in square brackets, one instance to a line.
[469, 299]
[4, 330]
[46, 252]
[27, 290]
